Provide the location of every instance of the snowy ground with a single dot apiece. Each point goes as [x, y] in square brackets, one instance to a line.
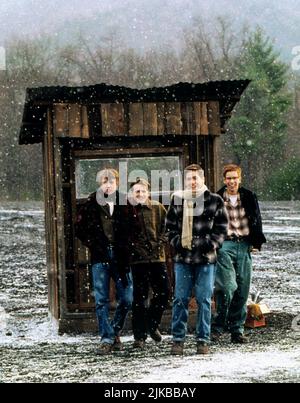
[32, 352]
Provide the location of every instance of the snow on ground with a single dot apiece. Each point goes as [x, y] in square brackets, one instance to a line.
[226, 367]
[31, 350]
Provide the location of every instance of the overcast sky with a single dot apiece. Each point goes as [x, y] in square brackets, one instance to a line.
[151, 21]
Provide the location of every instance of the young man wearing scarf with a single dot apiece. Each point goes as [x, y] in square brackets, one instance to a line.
[196, 227]
[234, 266]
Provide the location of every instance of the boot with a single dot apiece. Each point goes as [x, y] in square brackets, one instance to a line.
[238, 338]
[117, 346]
[155, 335]
[104, 349]
[139, 344]
[202, 348]
[177, 348]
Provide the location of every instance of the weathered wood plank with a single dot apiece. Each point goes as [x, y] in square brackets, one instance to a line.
[214, 125]
[94, 121]
[217, 150]
[50, 216]
[70, 120]
[60, 223]
[84, 123]
[201, 118]
[173, 118]
[105, 118]
[74, 111]
[136, 119]
[150, 119]
[60, 120]
[188, 118]
[161, 121]
[197, 114]
[113, 120]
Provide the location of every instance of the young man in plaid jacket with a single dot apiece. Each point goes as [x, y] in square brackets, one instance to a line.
[196, 228]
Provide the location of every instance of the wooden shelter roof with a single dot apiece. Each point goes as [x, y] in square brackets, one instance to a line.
[38, 100]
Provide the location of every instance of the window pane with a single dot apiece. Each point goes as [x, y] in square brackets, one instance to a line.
[163, 172]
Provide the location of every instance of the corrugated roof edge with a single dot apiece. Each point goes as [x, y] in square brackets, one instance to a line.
[37, 99]
[56, 93]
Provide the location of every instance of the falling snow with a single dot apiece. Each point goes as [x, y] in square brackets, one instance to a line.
[33, 352]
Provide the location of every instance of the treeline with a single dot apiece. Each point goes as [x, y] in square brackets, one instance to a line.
[263, 135]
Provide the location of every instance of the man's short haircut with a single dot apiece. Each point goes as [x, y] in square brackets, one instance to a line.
[232, 168]
[140, 181]
[107, 174]
[195, 168]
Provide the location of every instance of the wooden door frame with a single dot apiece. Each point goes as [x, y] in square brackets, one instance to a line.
[101, 153]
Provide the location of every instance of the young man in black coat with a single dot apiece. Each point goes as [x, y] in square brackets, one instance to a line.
[97, 227]
[234, 265]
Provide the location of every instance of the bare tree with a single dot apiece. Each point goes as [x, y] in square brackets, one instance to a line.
[212, 53]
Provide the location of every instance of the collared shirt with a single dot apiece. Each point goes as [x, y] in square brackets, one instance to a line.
[238, 221]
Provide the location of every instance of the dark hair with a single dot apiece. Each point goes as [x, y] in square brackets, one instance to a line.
[194, 168]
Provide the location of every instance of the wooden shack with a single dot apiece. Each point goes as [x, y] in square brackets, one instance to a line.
[85, 128]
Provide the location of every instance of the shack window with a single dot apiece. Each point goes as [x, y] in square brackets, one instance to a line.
[162, 172]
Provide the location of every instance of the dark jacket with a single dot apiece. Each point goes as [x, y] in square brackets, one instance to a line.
[92, 230]
[209, 230]
[143, 230]
[250, 203]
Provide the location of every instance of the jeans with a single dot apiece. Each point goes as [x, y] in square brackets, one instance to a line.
[145, 318]
[102, 273]
[233, 279]
[186, 278]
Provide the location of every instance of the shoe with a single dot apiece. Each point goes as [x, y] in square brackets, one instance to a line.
[216, 337]
[155, 335]
[104, 349]
[139, 344]
[117, 346]
[177, 348]
[238, 338]
[202, 348]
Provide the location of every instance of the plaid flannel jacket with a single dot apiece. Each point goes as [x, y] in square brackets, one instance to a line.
[209, 230]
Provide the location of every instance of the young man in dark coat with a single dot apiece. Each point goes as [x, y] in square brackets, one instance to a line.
[97, 227]
[196, 227]
[234, 266]
[144, 227]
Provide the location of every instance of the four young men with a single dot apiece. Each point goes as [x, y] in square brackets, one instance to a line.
[211, 236]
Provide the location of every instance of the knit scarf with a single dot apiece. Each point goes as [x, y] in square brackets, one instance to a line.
[190, 199]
